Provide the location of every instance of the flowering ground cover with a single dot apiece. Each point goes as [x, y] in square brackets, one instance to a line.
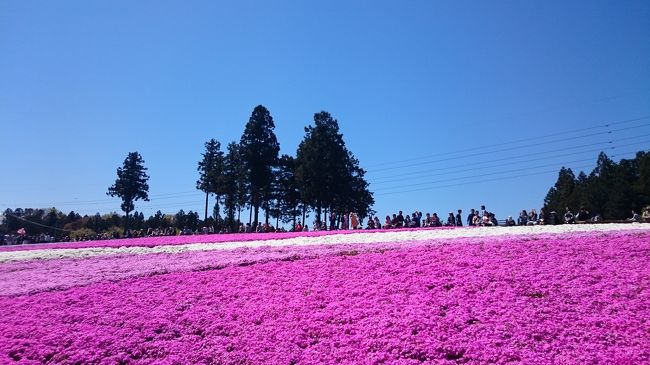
[572, 298]
[182, 240]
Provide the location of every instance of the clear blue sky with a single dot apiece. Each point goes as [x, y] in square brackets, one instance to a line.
[82, 83]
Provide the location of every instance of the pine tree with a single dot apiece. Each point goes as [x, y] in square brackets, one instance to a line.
[131, 184]
[287, 195]
[327, 173]
[259, 149]
[234, 187]
[560, 195]
[211, 173]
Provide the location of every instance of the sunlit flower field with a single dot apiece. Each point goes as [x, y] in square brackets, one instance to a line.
[532, 295]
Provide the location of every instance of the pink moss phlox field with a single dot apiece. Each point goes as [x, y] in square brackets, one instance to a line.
[531, 300]
[32, 276]
[205, 238]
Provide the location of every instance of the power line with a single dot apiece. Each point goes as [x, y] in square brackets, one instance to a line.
[511, 148]
[37, 224]
[471, 182]
[420, 172]
[492, 173]
[481, 181]
[426, 173]
[606, 125]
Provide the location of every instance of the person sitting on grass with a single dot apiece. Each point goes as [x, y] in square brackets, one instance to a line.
[476, 220]
[583, 215]
[510, 222]
[493, 220]
[635, 217]
[451, 220]
[568, 216]
[435, 221]
[485, 221]
[645, 215]
[387, 223]
[371, 223]
[523, 218]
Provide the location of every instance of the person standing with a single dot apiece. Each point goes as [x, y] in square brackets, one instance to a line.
[459, 218]
[332, 221]
[470, 218]
[354, 221]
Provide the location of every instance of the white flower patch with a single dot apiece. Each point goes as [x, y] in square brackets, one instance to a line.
[395, 236]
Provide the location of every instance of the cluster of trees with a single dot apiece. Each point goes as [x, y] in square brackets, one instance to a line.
[611, 189]
[58, 224]
[323, 177]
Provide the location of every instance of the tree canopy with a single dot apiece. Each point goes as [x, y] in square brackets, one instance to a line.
[259, 149]
[211, 179]
[327, 173]
[131, 184]
[611, 189]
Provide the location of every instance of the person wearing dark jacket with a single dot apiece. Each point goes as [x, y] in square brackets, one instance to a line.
[470, 217]
[459, 218]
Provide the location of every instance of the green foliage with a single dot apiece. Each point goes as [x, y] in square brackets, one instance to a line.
[131, 184]
[81, 234]
[211, 172]
[611, 189]
[287, 194]
[259, 151]
[234, 184]
[327, 173]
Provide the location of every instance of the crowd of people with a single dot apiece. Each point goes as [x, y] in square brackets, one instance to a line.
[416, 219]
[476, 217]
[546, 217]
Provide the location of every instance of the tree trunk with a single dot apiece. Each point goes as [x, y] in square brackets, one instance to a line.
[126, 223]
[250, 213]
[318, 211]
[304, 214]
[218, 208]
[205, 217]
[257, 215]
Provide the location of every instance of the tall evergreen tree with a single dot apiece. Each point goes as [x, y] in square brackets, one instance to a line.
[210, 172]
[234, 187]
[561, 195]
[327, 173]
[287, 195]
[131, 184]
[642, 185]
[259, 149]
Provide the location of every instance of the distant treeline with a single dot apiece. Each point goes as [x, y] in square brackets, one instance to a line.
[611, 189]
[58, 224]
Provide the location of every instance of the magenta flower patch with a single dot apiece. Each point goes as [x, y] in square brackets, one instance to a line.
[554, 299]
